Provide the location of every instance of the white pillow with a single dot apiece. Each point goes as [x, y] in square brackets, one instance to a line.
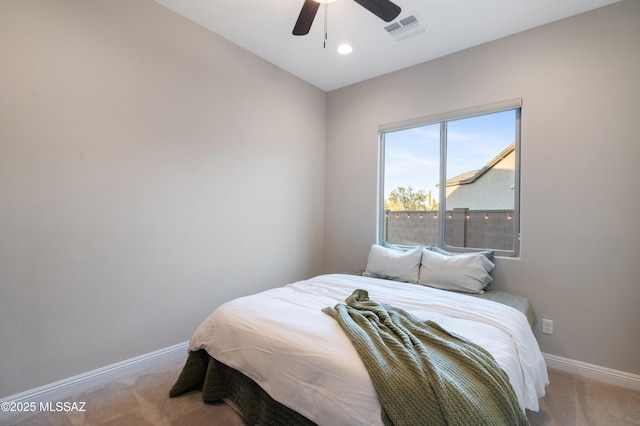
[486, 263]
[458, 272]
[393, 264]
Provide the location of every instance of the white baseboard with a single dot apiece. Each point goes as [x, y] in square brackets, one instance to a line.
[595, 372]
[65, 388]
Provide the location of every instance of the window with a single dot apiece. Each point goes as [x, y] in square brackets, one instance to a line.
[453, 180]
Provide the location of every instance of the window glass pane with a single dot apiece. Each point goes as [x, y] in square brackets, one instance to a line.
[411, 175]
[480, 183]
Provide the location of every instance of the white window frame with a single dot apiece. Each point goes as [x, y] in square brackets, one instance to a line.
[442, 119]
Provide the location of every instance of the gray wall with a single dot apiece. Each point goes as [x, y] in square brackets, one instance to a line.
[133, 147]
[579, 80]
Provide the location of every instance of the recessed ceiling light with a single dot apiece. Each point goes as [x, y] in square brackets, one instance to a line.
[345, 49]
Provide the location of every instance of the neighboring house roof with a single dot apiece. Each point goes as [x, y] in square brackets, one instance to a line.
[473, 175]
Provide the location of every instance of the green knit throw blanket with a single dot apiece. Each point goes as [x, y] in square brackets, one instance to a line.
[424, 375]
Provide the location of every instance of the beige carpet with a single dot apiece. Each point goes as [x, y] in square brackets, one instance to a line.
[142, 400]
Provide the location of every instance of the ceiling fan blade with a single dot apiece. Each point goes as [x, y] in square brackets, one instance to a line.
[383, 9]
[305, 19]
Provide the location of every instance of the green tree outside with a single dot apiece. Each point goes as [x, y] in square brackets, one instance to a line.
[406, 199]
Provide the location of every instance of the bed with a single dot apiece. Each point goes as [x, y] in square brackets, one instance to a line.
[279, 359]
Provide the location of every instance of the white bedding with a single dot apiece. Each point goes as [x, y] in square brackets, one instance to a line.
[300, 356]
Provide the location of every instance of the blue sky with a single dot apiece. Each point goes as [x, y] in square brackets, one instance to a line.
[412, 155]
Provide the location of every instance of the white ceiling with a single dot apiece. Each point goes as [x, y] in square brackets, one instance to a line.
[264, 28]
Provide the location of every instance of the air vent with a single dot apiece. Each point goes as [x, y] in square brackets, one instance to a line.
[406, 28]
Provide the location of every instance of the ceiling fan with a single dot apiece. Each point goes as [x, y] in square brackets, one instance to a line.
[383, 9]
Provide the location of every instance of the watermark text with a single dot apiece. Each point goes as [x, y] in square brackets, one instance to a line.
[47, 407]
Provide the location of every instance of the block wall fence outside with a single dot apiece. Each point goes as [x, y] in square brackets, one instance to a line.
[464, 228]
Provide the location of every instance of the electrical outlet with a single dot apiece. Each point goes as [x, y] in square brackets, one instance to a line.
[547, 326]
